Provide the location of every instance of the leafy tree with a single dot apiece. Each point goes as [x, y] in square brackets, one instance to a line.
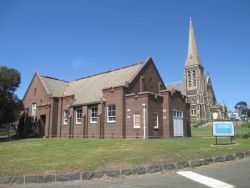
[240, 105]
[10, 105]
[242, 109]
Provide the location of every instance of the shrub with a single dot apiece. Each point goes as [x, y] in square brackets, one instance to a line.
[246, 124]
[243, 135]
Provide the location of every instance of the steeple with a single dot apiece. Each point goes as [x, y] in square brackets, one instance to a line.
[193, 57]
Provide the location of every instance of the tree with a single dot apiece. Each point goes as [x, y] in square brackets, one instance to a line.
[241, 108]
[10, 104]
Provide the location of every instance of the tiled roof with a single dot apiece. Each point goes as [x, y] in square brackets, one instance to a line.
[89, 89]
[54, 86]
[177, 86]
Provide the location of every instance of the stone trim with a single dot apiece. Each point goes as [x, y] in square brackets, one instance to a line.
[122, 172]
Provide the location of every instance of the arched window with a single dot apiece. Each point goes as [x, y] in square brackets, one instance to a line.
[189, 79]
[194, 78]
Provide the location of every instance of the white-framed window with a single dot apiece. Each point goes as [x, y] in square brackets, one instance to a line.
[78, 116]
[33, 112]
[178, 113]
[137, 120]
[65, 117]
[111, 113]
[155, 120]
[93, 117]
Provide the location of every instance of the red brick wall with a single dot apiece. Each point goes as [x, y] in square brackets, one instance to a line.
[134, 105]
[42, 100]
[155, 104]
[114, 96]
[64, 130]
[174, 101]
[149, 71]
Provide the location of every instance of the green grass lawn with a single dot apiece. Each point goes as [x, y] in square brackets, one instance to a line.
[207, 132]
[49, 156]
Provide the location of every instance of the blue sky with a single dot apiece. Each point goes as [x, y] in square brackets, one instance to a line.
[70, 39]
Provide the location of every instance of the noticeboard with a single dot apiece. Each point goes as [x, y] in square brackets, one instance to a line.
[223, 128]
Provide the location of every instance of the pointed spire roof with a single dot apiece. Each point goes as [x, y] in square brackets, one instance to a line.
[193, 56]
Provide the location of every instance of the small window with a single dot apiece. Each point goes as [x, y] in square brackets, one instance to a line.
[111, 114]
[155, 120]
[78, 116]
[33, 113]
[151, 82]
[137, 120]
[93, 118]
[193, 112]
[178, 114]
[65, 117]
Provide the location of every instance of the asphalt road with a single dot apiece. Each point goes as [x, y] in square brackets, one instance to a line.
[235, 173]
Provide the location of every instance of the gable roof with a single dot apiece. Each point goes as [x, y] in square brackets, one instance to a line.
[54, 86]
[89, 89]
[179, 86]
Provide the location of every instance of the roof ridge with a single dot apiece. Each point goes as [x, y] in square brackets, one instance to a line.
[174, 82]
[109, 71]
[55, 79]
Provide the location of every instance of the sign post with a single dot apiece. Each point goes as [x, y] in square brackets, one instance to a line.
[223, 129]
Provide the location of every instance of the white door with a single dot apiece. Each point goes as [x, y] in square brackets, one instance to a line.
[178, 123]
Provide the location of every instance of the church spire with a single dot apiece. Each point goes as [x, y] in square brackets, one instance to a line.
[193, 57]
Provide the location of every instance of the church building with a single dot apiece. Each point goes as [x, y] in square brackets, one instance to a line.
[197, 87]
[128, 102]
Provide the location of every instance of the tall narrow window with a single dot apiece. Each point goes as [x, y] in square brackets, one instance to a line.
[142, 84]
[137, 120]
[33, 113]
[155, 120]
[93, 118]
[111, 116]
[78, 116]
[189, 79]
[194, 78]
[151, 82]
[65, 117]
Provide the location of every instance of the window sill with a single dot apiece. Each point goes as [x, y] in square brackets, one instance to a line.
[93, 122]
[136, 127]
[111, 122]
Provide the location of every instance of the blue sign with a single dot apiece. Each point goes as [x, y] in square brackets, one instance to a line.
[223, 128]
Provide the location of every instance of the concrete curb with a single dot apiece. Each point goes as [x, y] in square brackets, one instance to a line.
[122, 172]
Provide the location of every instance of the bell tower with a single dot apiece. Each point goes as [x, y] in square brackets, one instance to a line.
[194, 81]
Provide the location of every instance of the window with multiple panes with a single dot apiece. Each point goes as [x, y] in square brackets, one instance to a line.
[111, 113]
[137, 120]
[178, 113]
[189, 79]
[155, 120]
[65, 117]
[33, 112]
[193, 112]
[78, 116]
[93, 118]
[194, 78]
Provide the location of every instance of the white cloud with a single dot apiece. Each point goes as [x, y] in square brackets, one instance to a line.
[78, 62]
